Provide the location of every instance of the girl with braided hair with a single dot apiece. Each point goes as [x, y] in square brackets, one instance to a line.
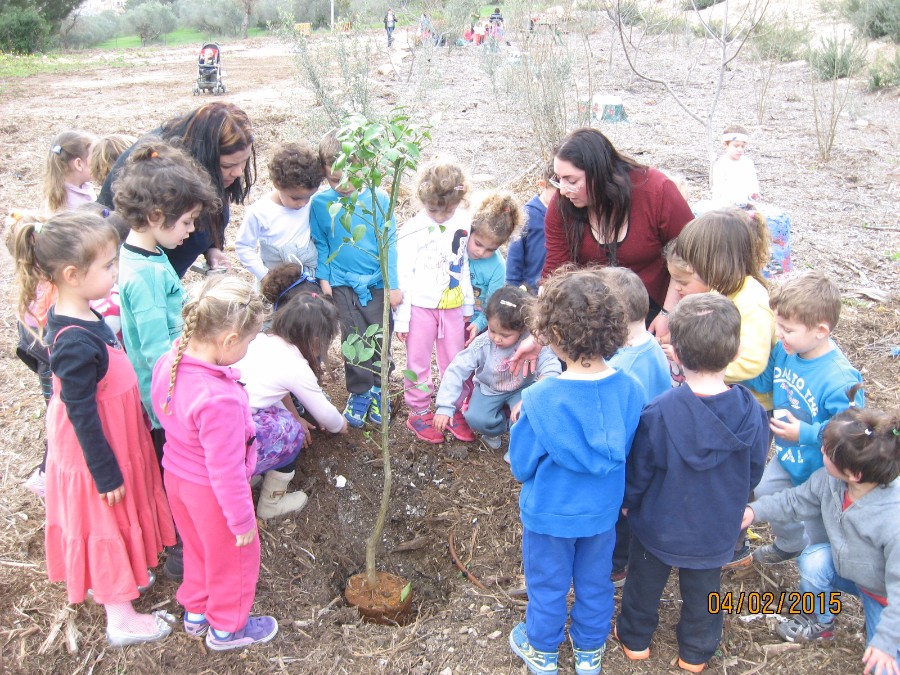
[97, 440]
[209, 457]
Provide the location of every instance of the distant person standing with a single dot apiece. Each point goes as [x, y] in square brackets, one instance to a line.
[389, 22]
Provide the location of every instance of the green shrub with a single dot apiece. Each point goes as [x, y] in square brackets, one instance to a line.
[874, 18]
[23, 31]
[687, 5]
[837, 58]
[885, 73]
[715, 25]
[150, 20]
[780, 40]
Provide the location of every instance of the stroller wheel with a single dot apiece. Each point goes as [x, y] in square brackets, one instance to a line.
[196, 91]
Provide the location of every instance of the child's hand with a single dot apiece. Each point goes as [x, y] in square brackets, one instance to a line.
[217, 260]
[115, 496]
[747, 520]
[246, 538]
[440, 422]
[401, 336]
[879, 663]
[307, 431]
[788, 430]
[659, 326]
[625, 512]
[471, 333]
[396, 298]
[515, 411]
[669, 351]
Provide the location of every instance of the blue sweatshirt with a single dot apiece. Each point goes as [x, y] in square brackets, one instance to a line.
[813, 391]
[647, 363]
[692, 466]
[568, 450]
[356, 264]
[487, 276]
[526, 255]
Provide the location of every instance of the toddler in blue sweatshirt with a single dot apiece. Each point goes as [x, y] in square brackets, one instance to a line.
[698, 450]
[528, 252]
[808, 377]
[568, 450]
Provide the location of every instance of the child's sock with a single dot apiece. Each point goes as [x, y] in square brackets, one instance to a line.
[221, 634]
[194, 617]
[121, 616]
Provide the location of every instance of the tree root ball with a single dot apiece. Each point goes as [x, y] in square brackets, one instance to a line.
[386, 604]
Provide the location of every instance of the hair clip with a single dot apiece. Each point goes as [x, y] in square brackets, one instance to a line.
[852, 404]
[867, 431]
[105, 213]
[508, 303]
[314, 295]
[38, 226]
[154, 154]
[896, 432]
[56, 150]
[459, 188]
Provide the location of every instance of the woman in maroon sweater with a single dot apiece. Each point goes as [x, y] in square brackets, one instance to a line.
[611, 210]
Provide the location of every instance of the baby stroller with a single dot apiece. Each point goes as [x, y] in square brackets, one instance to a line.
[209, 70]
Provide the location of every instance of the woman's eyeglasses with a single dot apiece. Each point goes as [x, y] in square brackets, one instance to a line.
[564, 185]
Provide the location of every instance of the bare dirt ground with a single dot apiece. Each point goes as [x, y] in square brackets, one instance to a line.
[845, 222]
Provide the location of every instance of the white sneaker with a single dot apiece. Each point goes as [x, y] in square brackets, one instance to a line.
[506, 457]
[37, 483]
[493, 442]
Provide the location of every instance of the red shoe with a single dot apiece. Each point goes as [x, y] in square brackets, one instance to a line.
[460, 428]
[421, 426]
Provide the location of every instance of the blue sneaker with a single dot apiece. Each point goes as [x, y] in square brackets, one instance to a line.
[537, 662]
[588, 661]
[375, 407]
[257, 630]
[357, 409]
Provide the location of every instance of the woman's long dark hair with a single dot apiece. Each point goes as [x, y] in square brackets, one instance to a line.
[608, 187]
[207, 133]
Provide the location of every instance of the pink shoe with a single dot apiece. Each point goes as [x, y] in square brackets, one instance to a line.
[421, 426]
[460, 428]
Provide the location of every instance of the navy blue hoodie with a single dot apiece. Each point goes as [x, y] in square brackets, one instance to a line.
[692, 466]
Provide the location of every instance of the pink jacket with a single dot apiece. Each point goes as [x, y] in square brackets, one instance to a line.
[210, 436]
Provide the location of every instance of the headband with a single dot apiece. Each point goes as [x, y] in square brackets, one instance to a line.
[303, 277]
[727, 138]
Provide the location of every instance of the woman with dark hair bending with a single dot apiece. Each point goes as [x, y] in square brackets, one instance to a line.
[612, 210]
[219, 136]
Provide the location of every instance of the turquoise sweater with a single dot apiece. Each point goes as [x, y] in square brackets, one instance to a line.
[488, 274]
[355, 264]
[151, 296]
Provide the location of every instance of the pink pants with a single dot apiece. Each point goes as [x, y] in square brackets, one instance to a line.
[219, 578]
[444, 328]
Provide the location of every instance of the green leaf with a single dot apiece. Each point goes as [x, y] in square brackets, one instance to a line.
[353, 338]
[371, 330]
[358, 234]
[410, 375]
[346, 220]
[404, 594]
[422, 387]
[366, 353]
[334, 209]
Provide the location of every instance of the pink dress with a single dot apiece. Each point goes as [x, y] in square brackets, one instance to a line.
[89, 544]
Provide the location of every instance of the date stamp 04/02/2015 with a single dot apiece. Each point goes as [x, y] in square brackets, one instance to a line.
[782, 602]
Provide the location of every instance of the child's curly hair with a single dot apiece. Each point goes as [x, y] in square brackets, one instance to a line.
[864, 441]
[579, 315]
[276, 285]
[296, 165]
[510, 306]
[497, 215]
[442, 183]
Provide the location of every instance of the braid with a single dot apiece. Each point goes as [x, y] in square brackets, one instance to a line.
[190, 324]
